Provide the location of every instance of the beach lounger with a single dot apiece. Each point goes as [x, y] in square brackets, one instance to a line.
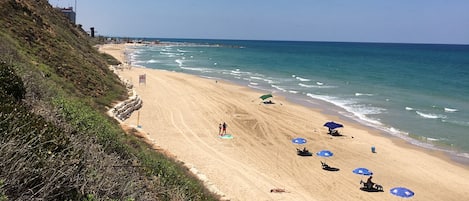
[303, 152]
[371, 186]
[324, 165]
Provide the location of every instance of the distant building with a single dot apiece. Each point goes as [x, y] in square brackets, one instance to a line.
[69, 13]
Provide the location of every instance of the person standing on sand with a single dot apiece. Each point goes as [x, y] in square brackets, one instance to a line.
[219, 129]
[224, 128]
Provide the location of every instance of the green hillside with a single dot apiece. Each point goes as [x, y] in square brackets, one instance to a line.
[57, 143]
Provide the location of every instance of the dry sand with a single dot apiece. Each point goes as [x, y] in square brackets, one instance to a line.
[181, 114]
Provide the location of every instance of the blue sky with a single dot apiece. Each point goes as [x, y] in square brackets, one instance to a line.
[402, 21]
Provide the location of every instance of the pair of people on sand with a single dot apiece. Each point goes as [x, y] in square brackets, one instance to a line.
[222, 129]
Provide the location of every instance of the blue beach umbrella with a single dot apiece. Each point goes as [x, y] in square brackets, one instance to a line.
[299, 140]
[362, 171]
[402, 192]
[332, 125]
[325, 153]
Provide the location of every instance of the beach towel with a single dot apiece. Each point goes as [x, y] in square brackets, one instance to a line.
[226, 136]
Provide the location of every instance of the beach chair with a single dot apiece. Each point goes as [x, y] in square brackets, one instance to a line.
[325, 166]
[303, 152]
[371, 186]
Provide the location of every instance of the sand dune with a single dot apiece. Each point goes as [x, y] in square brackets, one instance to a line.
[181, 114]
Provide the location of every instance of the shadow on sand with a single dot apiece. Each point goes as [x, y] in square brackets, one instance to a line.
[332, 169]
[371, 189]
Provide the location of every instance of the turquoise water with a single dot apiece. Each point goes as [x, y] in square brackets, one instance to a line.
[416, 92]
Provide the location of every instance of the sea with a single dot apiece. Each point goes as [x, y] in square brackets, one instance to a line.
[417, 92]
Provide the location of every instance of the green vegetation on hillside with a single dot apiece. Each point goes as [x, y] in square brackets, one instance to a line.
[57, 143]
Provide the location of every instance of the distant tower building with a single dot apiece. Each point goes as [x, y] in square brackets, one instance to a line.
[92, 32]
[69, 13]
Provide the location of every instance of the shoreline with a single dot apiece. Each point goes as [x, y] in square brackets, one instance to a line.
[419, 133]
[348, 150]
[457, 156]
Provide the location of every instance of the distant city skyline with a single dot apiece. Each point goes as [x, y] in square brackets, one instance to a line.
[398, 21]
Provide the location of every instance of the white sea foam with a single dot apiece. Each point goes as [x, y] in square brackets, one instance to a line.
[197, 69]
[430, 116]
[257, 78]
[365, 109]
[450, 109]
[151, 61]
[179, 50]
[254, 83]
[359, 111]
[409, 108]
[362, 94]
[431, 139]
[456, 122]
[179, 61]
[396, 131]
[278, 88]
[320, 83]
[306, 85]
[302, 79]
[315, 86]
[263, 79]
[293, 92]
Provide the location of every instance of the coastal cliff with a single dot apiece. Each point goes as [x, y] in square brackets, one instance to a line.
[57, 143]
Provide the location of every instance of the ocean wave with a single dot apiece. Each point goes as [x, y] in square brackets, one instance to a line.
[168, 53]
[320, 83]
[306, 85]
[254, 86]
[179, 50]
[263, 79]
[293, 92]
[431, 139]
[151, 61]
[353, 107]
[238, 72]
[302, 79]
[396, 131]
[430, 115]
[455, 122]
[315, 86]
[278, 88]
[254, 83]
[179, 61]
[197, 69]
[450, 109]
[366, 110]
[362, 94]
[409, 108]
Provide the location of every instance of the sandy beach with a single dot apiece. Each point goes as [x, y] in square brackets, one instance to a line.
[181, 114]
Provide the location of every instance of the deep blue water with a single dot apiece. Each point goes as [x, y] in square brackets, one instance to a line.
[419, 92]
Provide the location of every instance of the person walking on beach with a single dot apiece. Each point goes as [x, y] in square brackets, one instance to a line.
[219, 129]
[224, 128]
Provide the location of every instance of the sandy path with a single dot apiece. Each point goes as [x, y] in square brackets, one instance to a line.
[181, 114]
